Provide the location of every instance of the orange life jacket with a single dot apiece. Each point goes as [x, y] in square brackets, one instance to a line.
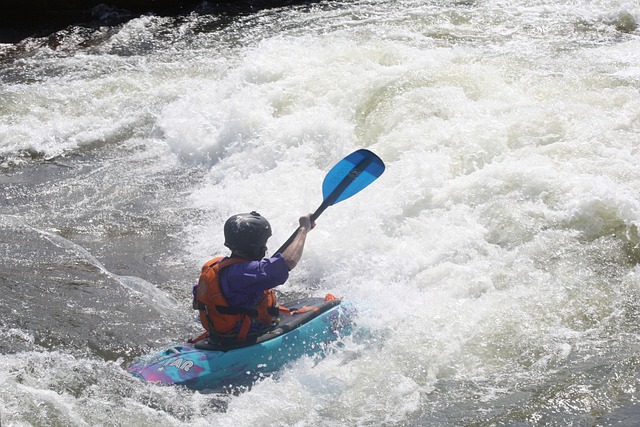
[215, 313]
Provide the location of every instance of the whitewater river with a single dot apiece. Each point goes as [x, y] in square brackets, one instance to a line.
[495, 264]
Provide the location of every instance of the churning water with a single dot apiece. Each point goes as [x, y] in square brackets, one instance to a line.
[494, 264]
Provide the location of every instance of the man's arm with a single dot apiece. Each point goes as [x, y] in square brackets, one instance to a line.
[293, 252]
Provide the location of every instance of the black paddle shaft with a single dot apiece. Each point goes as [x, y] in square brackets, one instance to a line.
[333, 196]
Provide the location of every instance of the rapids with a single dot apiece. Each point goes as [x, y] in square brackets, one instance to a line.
[495, 264]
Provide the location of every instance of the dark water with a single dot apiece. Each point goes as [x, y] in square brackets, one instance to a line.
[70, 229]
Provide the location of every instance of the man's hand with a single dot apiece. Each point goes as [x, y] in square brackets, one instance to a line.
[305, 222]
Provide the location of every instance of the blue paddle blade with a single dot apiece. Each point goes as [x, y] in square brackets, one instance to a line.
[350, 175]
[346, 178]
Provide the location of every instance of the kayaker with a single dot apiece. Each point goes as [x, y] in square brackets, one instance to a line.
[235, 294]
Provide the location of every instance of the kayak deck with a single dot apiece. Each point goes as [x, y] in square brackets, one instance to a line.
[212, 366]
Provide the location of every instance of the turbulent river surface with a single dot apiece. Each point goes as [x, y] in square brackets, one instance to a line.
[495, 264]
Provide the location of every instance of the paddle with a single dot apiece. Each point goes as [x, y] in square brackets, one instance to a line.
[345, 179]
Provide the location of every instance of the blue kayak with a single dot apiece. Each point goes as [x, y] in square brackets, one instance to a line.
[206, 365]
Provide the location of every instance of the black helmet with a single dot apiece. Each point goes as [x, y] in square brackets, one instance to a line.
[247, 233]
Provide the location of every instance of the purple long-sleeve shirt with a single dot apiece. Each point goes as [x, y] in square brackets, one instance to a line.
[244, 283]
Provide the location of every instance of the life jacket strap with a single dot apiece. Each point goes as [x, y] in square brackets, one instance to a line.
[200, 337]
[223, 309]
[244, 328]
